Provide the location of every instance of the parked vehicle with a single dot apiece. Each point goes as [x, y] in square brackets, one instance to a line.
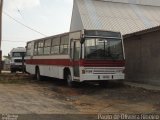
[17, 59]
[85, 55]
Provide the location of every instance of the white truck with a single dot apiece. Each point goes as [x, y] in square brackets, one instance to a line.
[17, 59]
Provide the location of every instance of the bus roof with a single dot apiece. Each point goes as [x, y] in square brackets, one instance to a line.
[49, 37]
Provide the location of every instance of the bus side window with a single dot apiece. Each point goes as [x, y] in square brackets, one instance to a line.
[40, 47]
[64, 44]
[35, 48]
[76, 50]
[47, 46]
[55, 45]
[28, 48]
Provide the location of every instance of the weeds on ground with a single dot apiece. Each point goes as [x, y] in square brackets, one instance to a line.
[18, 78]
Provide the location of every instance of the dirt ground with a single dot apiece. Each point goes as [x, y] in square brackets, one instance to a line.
[20, 94]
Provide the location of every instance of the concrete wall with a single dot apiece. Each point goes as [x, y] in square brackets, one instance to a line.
[143, 58]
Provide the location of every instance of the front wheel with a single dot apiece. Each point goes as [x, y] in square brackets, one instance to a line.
[69, 81]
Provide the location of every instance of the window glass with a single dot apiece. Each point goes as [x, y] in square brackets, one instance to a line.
[40, 47]
[47, 43]
[64, 49]
[55, 50]
[77, 50]
[56, 41]
[103, 48]
[47, 50]
[28, 49]
[18, 54]
[35, 48]
[55, 45]
[47, 47]
[64, 40]
[64, 44]
[40, 44]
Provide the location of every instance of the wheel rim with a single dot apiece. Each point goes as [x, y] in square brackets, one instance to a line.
[37, 75]
[69, 80]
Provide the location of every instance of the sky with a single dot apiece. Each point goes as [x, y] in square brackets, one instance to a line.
[49, 17]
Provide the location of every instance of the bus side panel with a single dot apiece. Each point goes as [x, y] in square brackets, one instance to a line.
[50, 71]
[53, 71]
[30, 69]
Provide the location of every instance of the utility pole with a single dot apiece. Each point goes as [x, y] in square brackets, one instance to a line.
[1, 8]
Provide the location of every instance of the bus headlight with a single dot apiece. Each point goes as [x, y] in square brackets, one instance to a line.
[83, 71]
[87, 71]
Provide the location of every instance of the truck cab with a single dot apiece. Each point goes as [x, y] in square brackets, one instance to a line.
[17, 59]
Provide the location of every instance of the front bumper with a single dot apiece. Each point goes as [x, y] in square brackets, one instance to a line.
[17, 67]
[99, 77]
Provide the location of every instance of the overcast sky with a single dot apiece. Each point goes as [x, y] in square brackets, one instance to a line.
[49, 17]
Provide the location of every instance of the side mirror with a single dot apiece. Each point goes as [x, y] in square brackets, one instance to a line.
[82, 40]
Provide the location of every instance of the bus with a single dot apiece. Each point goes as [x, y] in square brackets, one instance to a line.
[85, 55]
[17, 61]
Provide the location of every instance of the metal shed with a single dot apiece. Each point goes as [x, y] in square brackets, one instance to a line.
[142, 56]
[126, 16]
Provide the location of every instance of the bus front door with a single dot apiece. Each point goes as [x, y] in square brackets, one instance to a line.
[76, 58]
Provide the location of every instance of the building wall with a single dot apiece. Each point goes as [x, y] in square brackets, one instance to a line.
[115, 15]
[143, 58]
[76, 22]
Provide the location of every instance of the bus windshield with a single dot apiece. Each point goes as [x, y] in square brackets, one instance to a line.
[103, 48]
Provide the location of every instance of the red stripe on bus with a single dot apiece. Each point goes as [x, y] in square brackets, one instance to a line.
[102, 63]
[68, 62]
[64, 62]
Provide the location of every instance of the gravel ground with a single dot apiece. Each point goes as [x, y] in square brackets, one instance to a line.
[20, 94]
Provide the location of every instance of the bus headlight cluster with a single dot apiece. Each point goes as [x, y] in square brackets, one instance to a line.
[87, 71]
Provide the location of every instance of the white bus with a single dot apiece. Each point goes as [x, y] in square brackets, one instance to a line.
[16, 63]
[86, 55]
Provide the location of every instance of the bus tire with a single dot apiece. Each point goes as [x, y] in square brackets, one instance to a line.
[38, 76]
[69, 81]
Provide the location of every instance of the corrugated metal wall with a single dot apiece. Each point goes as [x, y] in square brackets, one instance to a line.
[139, 2]
[143, 58]
[126, 18]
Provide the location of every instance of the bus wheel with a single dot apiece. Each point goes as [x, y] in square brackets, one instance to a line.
[38, 76]
[69, 81]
